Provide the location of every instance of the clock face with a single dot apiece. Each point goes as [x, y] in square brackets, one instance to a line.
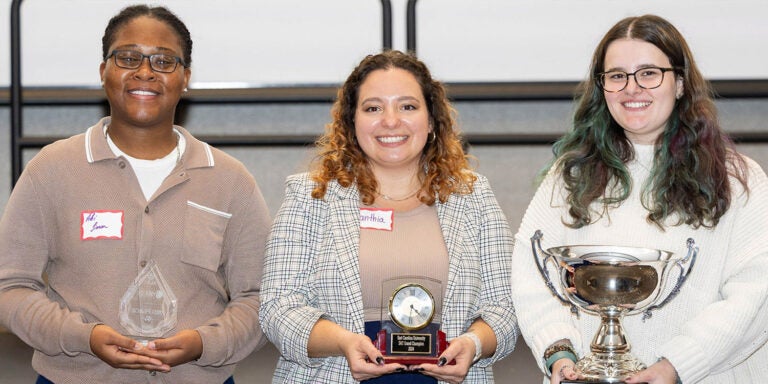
[411, 307]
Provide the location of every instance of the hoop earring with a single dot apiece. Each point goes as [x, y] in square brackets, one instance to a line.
[433, 137]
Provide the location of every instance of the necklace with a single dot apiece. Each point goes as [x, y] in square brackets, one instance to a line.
[412, 194]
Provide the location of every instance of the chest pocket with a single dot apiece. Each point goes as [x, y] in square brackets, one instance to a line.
[204, 229]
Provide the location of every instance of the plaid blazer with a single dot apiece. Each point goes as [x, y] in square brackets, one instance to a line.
[311, 272]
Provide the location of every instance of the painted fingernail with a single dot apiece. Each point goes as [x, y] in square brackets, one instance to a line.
[380, 360]
[442, 361]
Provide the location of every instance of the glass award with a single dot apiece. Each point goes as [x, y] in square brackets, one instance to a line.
[410, 328]
[148, 308]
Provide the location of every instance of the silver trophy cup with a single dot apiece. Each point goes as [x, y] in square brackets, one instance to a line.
[611, 281]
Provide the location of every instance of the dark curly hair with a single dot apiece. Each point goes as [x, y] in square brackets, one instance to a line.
[341, 158]
[694, 158]
[159, 13]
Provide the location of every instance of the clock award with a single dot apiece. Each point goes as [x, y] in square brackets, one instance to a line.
[410, 330]
[148, 307]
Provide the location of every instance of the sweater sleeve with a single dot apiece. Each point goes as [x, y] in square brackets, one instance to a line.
[726, 332]
[25, 234]
[233, 335]
[543, 319]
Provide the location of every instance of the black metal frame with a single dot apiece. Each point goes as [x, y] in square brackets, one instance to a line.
[410, 26]
[16, 96]
[386, 25]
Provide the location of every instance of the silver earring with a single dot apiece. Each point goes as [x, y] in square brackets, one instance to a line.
[433, 137]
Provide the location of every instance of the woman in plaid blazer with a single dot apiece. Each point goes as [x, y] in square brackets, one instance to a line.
[390, 193]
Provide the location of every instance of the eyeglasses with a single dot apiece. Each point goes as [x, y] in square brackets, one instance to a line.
[159, 62]
[646, 78]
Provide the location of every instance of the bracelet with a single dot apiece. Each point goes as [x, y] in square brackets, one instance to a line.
[557, 347]
[557, 356]
[478, 345]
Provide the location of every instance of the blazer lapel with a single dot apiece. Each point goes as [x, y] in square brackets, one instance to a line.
[344, 216]
[451, 216]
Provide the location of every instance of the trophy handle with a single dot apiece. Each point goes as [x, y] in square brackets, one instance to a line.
[693, 251]
[541, 265]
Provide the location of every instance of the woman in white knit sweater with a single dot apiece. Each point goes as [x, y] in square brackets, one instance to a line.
[647, 165]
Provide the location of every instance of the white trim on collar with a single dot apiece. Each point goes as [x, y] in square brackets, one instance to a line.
[209, 154]
[88, 151]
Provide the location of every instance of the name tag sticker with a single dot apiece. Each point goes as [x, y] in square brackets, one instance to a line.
[96, 225]
[382, 219]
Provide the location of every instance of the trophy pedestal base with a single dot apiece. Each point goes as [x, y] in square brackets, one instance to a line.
[606, 368]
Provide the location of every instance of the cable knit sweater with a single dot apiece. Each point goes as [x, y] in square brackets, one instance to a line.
[714, 331]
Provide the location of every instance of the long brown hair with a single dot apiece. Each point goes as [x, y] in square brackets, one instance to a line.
[694, 157]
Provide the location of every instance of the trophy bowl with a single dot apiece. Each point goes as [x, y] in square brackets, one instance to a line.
[611, 282]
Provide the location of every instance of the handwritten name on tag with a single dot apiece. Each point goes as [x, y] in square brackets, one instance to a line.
[382, 219]
[96, 225]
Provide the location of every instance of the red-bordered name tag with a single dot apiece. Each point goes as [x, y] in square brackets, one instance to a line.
[101, 224]
[377, 218]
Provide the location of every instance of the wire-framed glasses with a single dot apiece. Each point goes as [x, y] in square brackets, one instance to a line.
[159, 62]
[646, 78]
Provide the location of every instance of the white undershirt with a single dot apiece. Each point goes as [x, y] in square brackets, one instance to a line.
[151, 173]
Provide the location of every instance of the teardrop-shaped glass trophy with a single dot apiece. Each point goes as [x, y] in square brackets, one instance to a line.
[148, 308]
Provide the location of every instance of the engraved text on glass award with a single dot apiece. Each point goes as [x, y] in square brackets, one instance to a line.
[148, 307]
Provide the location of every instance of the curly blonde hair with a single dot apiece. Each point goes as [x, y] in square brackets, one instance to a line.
[446, 166]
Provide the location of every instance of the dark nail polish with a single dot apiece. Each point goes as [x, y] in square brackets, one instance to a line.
[380, 360]
[442, 361]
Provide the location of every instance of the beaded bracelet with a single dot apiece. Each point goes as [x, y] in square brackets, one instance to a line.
[557, 347]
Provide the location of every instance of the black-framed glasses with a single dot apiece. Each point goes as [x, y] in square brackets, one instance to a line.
[159, 62]
[646, 78]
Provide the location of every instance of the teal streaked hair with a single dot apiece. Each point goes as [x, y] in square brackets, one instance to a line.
[694, 158]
